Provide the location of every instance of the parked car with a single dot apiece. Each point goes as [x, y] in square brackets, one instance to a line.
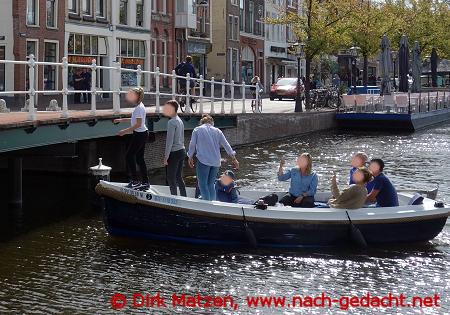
[285, 88]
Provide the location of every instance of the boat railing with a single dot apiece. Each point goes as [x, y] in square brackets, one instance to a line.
[159, 86]
[400, 103]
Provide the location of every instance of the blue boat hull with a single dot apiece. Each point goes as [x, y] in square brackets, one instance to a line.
[150, 222]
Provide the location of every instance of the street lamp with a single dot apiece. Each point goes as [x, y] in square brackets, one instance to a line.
[394, 56]
[354, 76]
[299, 49]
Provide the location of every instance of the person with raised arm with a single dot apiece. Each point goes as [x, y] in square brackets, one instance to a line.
[303, 182]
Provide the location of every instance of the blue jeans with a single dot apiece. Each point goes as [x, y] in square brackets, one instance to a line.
[206, 177]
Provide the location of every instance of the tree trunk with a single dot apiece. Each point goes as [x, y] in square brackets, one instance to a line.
[365, 70]
[307, 83]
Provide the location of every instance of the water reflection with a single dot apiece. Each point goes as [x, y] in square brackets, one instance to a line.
[73, 266]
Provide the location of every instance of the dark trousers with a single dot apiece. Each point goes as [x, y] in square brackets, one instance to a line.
[135, 155]
[288, 200]
[77, 96]
[86, 97]
[174, 172]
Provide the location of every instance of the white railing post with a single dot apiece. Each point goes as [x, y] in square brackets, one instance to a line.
[202, 83]
[188, 94]
[93, 91]
[65, 91]
[116, 80]
[157, 92]
[243, 97]
[257, 97]
[32, 91]
[139, 75]
[174, 85]
[212, 96]
[222, 108]
[232, 98]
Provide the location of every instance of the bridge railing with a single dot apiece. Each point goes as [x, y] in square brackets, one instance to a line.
[206, 103]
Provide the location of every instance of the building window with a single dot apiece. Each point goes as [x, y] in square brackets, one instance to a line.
[236, 28]
[72, 6]
[2, 69]
[87, 7]
[241, 15]
[32, 13]
[140, 13]
[154, 5]
[86, 45]
[51, 13]
[231, 26]
[50, 55]
[31, 50]
[100, 8]
[235, 2]
[123, 13]
[132, 54]
[251, 17]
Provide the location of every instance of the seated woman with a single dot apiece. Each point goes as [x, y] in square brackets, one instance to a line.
[225, 188]
[354, 196]
[303, 183]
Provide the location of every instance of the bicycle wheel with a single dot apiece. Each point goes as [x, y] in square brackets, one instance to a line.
[182, 105]
[194, 107]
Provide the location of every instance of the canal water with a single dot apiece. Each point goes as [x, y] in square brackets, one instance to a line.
[56, 257]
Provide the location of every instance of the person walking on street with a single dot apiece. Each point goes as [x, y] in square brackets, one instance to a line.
[136, 148]
[205, 144]
[87, 77]
[175, 152]
[77, 79]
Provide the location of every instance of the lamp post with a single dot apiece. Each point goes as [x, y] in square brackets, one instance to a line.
[354, 54]
[394, 56]
[299, 49]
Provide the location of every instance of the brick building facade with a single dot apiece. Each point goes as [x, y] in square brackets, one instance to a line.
[38, 29]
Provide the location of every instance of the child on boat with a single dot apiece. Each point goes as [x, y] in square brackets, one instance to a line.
[226, 188]
[355, 195]
[359, 159]
[136, 148]
[303, 183]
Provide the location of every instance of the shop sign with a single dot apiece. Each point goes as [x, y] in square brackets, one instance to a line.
[82, 60]
[196, 48]
[132, 61]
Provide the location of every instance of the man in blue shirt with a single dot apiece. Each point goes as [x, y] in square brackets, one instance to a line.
[383, 192]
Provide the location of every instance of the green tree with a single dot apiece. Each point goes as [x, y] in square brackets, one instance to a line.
[319, 27]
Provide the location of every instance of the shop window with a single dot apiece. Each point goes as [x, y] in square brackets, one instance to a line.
[78, 44]
[87, 45]
[50, 55]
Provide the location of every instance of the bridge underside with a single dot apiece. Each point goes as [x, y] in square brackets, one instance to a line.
[50, 128]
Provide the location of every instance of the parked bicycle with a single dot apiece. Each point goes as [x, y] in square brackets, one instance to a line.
[325, 98]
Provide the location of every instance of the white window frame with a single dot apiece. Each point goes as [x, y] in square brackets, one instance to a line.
[154, 5]
[164, 7]
[36, 3]
[56, 71]
[36, 57]
[97, 12]
[235, 2]
[77, 7]
[55, 15]
[128, 12]
[91, 12]
[143, 13]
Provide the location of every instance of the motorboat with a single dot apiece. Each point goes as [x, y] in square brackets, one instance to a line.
[155, 214]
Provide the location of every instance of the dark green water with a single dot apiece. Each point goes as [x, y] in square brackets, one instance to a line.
[57, 258]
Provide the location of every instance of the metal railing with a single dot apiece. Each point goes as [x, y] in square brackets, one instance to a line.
[402, 103]
[116, 89]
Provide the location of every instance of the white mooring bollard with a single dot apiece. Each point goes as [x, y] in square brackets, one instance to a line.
[98, 172]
